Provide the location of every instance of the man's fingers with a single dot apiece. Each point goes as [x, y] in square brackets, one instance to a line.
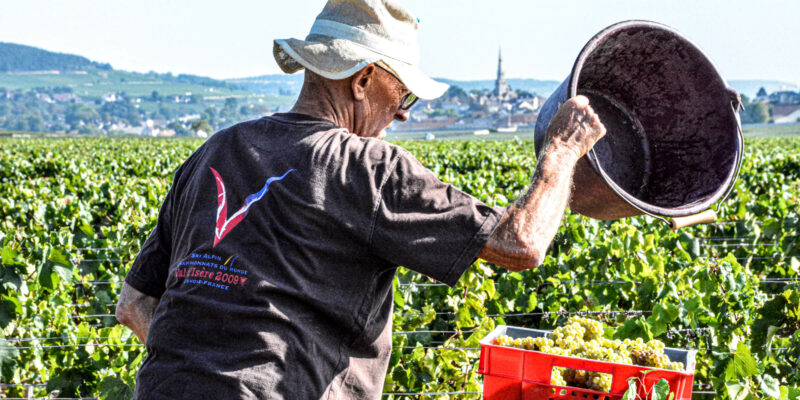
[580, 101]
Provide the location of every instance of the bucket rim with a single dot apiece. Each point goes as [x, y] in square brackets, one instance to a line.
[645, 207]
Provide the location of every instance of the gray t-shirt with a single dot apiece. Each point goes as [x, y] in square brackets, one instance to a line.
[273, 258]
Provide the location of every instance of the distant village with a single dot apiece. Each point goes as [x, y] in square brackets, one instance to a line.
[499, 110]
[502, 109]
[506, 110]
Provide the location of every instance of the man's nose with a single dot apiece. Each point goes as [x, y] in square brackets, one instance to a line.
[402, 115]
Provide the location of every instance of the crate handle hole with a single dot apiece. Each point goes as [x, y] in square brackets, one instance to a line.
[582, 379]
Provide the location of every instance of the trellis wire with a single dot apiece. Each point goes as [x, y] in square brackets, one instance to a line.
[744, 245]
[545, 313]
[428, 394]
[439, 348]
[64, 346]
[84, 316]
[436, 348]
[9, 385]
[52, 398]
[111, 260]
[40, 339]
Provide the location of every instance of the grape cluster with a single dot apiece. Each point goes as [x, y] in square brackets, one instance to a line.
[583, 337]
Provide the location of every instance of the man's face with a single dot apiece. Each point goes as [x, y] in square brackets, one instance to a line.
[382, 105]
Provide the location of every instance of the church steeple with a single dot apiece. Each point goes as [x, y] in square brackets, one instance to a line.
[500, 74]
[501, 89]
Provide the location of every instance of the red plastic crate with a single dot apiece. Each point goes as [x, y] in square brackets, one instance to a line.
[516, 374]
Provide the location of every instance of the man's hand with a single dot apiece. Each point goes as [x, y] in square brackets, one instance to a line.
[523, 235]
[575, 128]
[135, 310]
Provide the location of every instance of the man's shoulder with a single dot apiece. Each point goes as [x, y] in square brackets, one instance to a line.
[278, 121]
[347, 145]
[325, 142]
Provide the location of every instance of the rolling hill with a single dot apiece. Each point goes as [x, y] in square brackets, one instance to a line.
[25, 67]
[18, 58]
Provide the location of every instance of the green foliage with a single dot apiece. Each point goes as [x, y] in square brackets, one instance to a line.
[17, 57]
[756, 112]
[74, 213]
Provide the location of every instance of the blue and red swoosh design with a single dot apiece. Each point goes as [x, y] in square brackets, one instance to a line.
[225, 224]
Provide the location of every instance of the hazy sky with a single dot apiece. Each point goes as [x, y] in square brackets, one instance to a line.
[459, 38]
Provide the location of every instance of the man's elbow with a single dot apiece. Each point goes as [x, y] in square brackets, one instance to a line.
[517, 257]
[124, 314]
[529, 258]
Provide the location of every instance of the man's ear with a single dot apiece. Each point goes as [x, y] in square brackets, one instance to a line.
[361, 82]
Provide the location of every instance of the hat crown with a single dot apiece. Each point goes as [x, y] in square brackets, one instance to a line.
[383, 26]
[351, 34]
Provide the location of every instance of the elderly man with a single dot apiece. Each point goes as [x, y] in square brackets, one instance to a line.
[269, 272]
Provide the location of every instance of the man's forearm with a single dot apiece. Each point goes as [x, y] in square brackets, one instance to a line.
[521, 239]
[528, 226]
[135, 310]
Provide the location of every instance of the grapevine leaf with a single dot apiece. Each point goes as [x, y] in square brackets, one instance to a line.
[113, 388]
[7, 312]
[660, 390]
[771, 331]
[789, 393]
[663, 315]
[630, 394]
[398, 299]
[46, 276]
[690, 243]
[61, 264]
[8, 255]
[10, 279]
[464, 317]
[57, 256]
[770, 386]
[742, 365]
[488, 287]
[738, 391]
[8, 360]
[532, 302]
[86, 228]
[634, 328]
[772, 313]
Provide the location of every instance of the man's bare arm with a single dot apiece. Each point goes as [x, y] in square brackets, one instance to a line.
[523, 235]
[135, 310]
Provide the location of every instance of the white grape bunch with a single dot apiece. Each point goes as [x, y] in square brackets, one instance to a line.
[584, 338]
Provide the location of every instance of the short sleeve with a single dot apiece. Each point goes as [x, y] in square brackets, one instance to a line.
[427, 225]
[151, 267]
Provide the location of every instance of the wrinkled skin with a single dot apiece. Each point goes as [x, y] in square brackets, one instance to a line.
[528, 226]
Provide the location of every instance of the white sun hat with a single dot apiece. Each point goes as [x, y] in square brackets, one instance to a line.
[351, 34]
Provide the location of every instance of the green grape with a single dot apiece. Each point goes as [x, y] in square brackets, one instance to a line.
[592, 329]
[503, 340]
[655, 345]
[599, 381]
[557, 378]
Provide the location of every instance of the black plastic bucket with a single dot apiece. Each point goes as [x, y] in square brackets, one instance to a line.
[673, 145]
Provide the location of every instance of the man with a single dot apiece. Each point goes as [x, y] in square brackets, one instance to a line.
[269, 273]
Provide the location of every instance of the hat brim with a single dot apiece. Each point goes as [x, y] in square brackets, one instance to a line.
[339, 59]
[416, 81]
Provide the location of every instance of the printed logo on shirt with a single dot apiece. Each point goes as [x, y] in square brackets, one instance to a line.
[224, 225]
[207, 269]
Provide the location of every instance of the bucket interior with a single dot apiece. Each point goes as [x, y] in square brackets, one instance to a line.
[672, 137]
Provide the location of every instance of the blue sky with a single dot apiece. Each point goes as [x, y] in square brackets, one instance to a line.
[459, 38]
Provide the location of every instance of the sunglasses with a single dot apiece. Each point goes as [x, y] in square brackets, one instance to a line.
[409, 99]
